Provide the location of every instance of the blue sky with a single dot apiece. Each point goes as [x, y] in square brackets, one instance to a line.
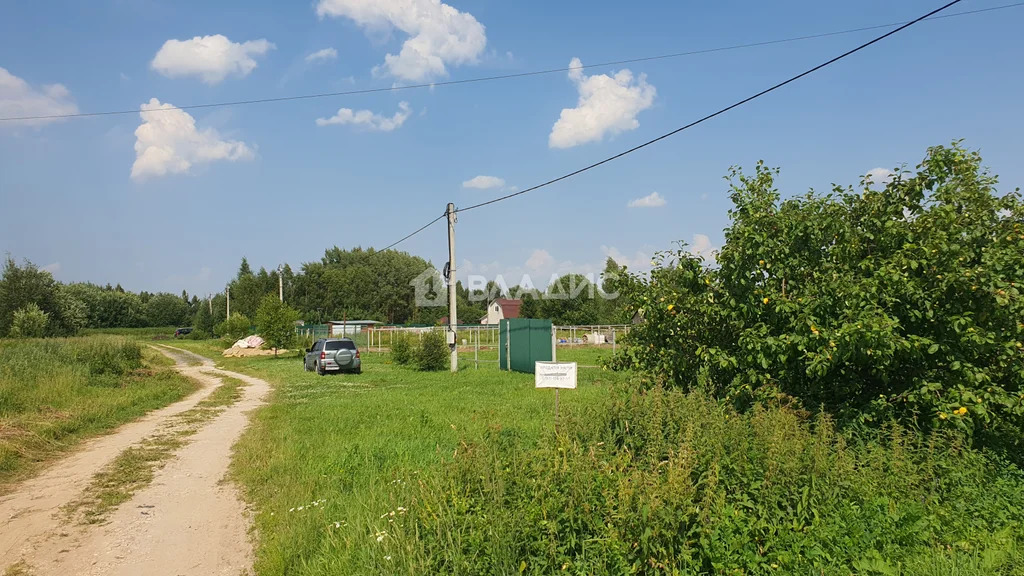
[177, 202]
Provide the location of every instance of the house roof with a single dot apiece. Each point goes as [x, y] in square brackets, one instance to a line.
[509, 308]
[355, 322]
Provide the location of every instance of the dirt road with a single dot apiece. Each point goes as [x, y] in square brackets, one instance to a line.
[186, 521]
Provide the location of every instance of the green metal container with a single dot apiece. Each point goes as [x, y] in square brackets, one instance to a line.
[522, 342]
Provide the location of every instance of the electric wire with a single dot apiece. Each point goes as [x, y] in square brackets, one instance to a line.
[714, 114]
[500, 76]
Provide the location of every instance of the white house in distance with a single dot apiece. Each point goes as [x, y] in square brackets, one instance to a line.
[501, 309]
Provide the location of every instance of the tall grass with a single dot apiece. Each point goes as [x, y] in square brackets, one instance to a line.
[55, 392]
[404, 472]
[148, 333]
[664, 482]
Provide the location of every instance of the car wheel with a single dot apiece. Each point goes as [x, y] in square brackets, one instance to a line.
[320, 369]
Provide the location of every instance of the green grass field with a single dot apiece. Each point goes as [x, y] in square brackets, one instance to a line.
[334, 445]
[402, 472]
[55, 393]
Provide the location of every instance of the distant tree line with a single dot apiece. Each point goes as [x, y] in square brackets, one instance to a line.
[366, 284]
[33, 303]
[362, 284]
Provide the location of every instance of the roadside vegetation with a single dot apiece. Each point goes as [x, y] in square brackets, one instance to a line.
[658, 481]
[899, 303]
[56, 392]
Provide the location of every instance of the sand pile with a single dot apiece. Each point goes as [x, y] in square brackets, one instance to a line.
[247, 352]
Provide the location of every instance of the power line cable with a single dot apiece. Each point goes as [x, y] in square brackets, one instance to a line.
[714, 114]
[366, 256]
[421, 229]
[501, 76]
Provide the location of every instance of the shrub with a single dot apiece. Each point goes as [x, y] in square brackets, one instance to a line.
[113, 356]
[236, 327]
[401, 349]
[25, 285]
[29, 322]
[433, 353]
[665, 482]
[903, 302]
[275, 322]
[198, 334]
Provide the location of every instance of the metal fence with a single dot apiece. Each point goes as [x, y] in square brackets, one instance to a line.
[478, 343]
[591, 335]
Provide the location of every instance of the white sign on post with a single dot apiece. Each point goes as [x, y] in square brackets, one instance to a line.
[555, 375]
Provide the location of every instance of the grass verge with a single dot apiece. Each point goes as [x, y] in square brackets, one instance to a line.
[54, 393]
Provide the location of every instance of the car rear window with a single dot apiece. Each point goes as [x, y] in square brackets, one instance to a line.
[341, 345]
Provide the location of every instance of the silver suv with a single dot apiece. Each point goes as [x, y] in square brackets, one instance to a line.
[333, 355]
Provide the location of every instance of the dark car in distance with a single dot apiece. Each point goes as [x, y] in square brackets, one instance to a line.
[180, 332]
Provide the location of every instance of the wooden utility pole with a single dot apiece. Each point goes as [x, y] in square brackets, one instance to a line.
[452, 317]
[280, 284]
[227, 294]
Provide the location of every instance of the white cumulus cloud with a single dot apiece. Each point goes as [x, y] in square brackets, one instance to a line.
[540, 259]
[168, 142]
[701, 246]
[321, 55]
[19, 99]
[881, 176]
[211, 58]
[639, 260]
[484, 182]
[607, 105]
[652, 200]
[52, 268]
[439, 35]
[367, 119]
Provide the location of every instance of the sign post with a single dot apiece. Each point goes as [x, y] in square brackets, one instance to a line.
[555, 375]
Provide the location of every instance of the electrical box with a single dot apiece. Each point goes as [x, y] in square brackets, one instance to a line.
[522, 343]
[450, 334]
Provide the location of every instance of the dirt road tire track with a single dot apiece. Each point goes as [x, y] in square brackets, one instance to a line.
[187, 521]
